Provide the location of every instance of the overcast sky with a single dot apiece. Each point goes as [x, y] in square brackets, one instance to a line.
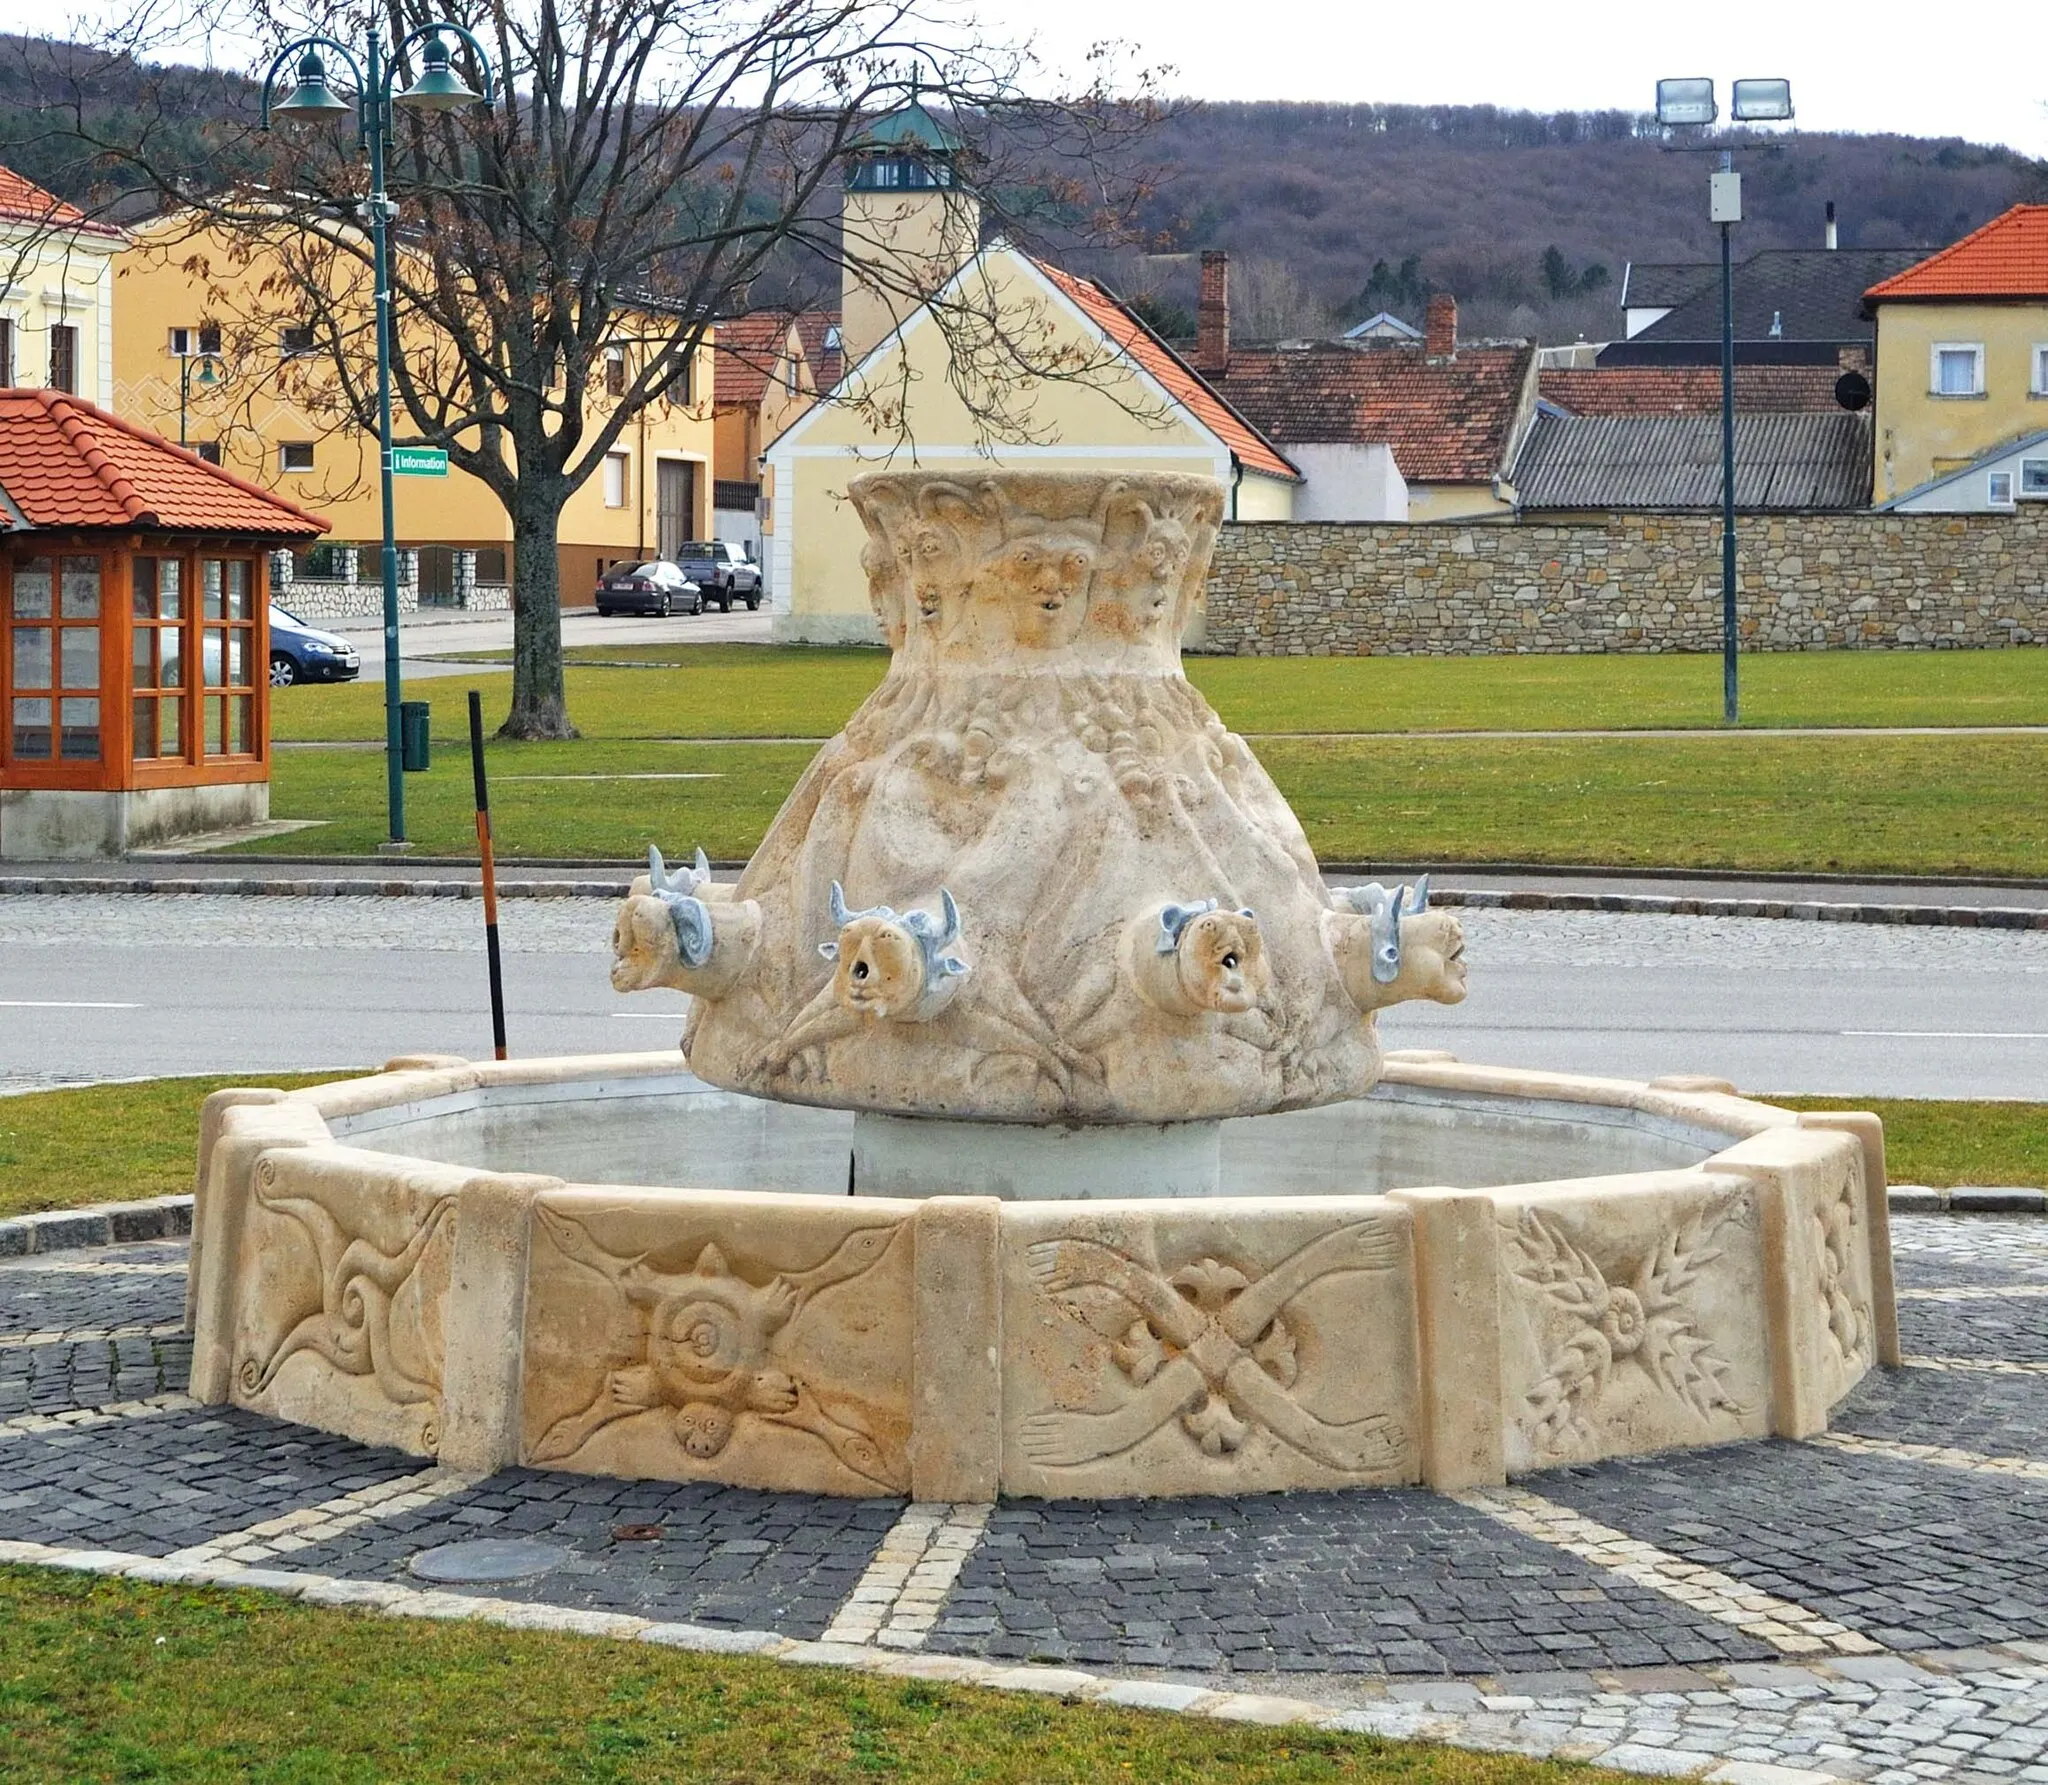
[1848, 71]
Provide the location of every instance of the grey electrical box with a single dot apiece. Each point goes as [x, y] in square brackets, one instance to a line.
[1724, 197]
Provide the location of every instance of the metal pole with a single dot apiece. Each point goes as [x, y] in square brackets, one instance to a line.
[1728, 691]
[490, 872]
[394, 770]
[184, 388]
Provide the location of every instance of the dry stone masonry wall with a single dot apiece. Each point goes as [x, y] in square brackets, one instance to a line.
[1629, 583]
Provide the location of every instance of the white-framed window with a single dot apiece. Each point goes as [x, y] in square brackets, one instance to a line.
[6, 353]
[615, 479]
[186, 343]
[295, 455]
[1998, 490]
[615, 371]
[2039, 386]
[2034, 480]
[1956, 369]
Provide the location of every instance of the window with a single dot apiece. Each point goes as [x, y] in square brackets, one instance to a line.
[1958, 369]
[54, 655]
[296, 341]
[64, 357]
[188, 342]
[615, 480]
[163, 699]
[317, 564]
[209, 450]
[6, 354]
[295, 455]
[228, 656]
[615, 371]
[1998, 490]
[2039, 387]
[490, 564]
[2034, 479]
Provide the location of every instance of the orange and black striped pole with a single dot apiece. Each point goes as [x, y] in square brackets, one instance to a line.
[490, 869]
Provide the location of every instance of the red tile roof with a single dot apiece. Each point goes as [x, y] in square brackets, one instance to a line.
[65, 463]
[2008, 257]
[1688, 390]
[1449, 419]
[745, 352]
[23, 201]
[1186, 386]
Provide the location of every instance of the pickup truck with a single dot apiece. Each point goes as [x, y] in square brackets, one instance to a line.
[723, 571]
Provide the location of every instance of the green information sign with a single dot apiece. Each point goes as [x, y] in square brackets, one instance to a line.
[419, 461]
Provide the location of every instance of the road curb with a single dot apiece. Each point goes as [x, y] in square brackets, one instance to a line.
[1961, 917]
[97, 1224]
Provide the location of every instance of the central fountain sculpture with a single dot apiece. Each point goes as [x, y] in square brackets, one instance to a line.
[1036, 1136]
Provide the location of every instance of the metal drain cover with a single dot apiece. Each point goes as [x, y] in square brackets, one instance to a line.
[491, 1559]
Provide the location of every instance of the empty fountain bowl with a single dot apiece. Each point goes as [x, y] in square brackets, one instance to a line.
[605, 1265]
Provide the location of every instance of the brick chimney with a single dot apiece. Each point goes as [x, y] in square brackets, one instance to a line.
[1440, 326]
[1212, 318]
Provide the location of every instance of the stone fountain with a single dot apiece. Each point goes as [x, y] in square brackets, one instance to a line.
[1036, 1136]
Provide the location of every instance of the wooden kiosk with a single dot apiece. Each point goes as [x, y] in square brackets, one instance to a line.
[134, 634]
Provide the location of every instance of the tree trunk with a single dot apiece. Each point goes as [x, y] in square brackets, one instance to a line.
[540, 707]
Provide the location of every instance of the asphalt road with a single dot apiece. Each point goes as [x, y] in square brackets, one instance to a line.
[421, 640]
[98, 987]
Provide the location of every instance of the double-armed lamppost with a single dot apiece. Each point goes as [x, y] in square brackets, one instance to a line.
[439, 89]
[1691, 101]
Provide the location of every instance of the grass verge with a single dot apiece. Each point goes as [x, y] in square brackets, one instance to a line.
[1945, 1144]
[108, 1143]
[1860, 805]
[109, 1679]
[735, 691]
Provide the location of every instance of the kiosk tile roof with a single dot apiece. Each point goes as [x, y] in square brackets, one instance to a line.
[2007, 258]
[65, 463]
[1129, 335]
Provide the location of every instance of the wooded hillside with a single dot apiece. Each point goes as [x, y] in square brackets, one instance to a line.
[1329, 212]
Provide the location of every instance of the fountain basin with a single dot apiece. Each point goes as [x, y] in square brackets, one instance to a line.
[604, 1265]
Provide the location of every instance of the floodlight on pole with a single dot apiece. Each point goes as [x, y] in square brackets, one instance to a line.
[1762, 102]
[1686, 101]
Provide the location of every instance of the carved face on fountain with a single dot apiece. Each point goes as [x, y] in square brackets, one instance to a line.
[1040, 581]
[1221, 959]
[1433, 952]
[881, 968]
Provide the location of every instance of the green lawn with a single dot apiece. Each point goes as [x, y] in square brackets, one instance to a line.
[1945, 1144]
[107, 1143]
[1911, 805]
[105, 1679]
[767, 691]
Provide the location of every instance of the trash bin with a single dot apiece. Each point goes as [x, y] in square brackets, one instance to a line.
[412, 736]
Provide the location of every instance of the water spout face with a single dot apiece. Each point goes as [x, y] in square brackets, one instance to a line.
[1221, 960]
[880, 968]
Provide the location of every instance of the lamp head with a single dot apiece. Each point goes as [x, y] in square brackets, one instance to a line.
[313, 99]
[1688, 101]
[209, 373]
[439, 88]
[1762, 102]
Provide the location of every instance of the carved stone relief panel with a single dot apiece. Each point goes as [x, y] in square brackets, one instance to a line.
[1228, 1347]
[1827, 1242]
[1630, 1322]
[756, 1339]
[343, 1281]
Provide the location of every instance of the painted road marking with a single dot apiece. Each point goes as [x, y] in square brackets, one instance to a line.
[62, 1004]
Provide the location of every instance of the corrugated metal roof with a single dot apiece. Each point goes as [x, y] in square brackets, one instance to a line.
[1783, 463]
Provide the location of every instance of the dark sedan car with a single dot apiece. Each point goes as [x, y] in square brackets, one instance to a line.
[653, 588]
[302, 653]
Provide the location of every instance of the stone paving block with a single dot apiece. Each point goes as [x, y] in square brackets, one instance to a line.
[1634, 1757]
[1151, 1695]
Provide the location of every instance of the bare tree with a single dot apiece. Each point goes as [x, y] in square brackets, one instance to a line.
[651, 168]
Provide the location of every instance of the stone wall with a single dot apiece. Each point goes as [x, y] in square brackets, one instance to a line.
[1628, 583]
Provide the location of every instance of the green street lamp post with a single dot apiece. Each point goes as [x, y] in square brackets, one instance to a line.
[211, 374]
[439, 89]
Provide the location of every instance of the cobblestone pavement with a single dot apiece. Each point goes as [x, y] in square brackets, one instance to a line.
[1868, 1605]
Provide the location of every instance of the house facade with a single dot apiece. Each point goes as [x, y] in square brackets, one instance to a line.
[1962, 353]
[56, 293]
[213, 347]
[762, 380]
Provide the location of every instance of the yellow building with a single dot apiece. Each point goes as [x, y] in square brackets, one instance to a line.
[213, 348]
[55, 293]
[1962, 353]
[1072, 381]
[763, 380]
